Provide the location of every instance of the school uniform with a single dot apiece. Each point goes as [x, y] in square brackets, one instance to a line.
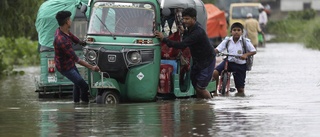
[236, 65]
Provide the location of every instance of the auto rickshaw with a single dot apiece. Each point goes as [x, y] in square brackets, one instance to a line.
[135, 66]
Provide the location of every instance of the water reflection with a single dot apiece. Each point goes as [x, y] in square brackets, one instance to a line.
[164, 118]
[186, 118]
[178, 118]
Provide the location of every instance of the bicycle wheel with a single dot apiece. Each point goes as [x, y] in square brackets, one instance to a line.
[224, 83]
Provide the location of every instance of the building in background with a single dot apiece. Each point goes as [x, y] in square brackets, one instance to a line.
[298, 5]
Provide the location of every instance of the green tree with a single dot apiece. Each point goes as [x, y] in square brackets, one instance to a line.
[17, 33]
[18, 18]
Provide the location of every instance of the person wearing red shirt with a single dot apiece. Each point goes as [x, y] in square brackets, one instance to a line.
[65, 57]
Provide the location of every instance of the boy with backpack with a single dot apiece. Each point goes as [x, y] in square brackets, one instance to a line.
[235, 45]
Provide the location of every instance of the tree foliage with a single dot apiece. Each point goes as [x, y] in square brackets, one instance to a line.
[18, 18]
[18, 33]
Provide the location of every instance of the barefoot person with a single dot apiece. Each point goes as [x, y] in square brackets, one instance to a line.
[201, 51]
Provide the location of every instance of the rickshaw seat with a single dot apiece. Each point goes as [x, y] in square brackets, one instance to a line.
[164, 86]
[170, 53]
[173, 63]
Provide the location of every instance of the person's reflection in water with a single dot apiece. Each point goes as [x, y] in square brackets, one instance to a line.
[167, 120]
[73, 121]
[203, 118]
[183, 119]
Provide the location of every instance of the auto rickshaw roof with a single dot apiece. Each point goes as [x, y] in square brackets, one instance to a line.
[197, 4]
[46, 23]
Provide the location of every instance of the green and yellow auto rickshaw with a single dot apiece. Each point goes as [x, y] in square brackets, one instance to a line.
[135, 66]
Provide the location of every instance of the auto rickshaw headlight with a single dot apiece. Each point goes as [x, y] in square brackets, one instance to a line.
[92, 55]
[134, 57]
[85, 51]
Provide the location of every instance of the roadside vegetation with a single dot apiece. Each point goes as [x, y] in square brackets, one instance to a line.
[299, 26]
[17, 52]
[18, 37]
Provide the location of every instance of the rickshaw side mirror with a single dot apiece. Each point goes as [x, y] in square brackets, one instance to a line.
[166, 12]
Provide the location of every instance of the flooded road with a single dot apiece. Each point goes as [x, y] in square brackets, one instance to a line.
[282, 99]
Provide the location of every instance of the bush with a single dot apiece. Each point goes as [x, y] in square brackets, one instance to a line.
[303, 15]
[288, 30]
[312, 38]
[296, 30]
[3, 65]
[19, 51]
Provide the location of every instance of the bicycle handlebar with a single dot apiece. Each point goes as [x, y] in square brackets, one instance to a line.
[227, 54]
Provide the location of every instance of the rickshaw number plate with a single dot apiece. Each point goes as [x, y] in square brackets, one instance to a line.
[140, 76]
[52, 78]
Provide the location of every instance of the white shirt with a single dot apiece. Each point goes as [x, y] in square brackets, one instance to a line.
[263, 18]
[235, 49]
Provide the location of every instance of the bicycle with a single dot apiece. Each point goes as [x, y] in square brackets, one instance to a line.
[224, 80]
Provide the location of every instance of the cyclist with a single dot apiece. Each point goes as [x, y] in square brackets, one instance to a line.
[233, 45]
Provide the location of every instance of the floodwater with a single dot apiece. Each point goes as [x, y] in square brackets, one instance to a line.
[282, 99]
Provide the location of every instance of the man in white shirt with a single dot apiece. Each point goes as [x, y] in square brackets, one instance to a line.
[263, 18]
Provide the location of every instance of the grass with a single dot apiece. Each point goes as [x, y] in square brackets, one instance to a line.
[296, 30]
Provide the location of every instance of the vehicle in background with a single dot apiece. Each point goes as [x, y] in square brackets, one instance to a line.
[121, 41]
[217, 27]
[51, 83]
[224, 5]
[238, 11]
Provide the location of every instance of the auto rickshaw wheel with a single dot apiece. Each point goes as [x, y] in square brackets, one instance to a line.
[108, 97]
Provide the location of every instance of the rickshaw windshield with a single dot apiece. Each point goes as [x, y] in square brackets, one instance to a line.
[242, 11]
[122, 19]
